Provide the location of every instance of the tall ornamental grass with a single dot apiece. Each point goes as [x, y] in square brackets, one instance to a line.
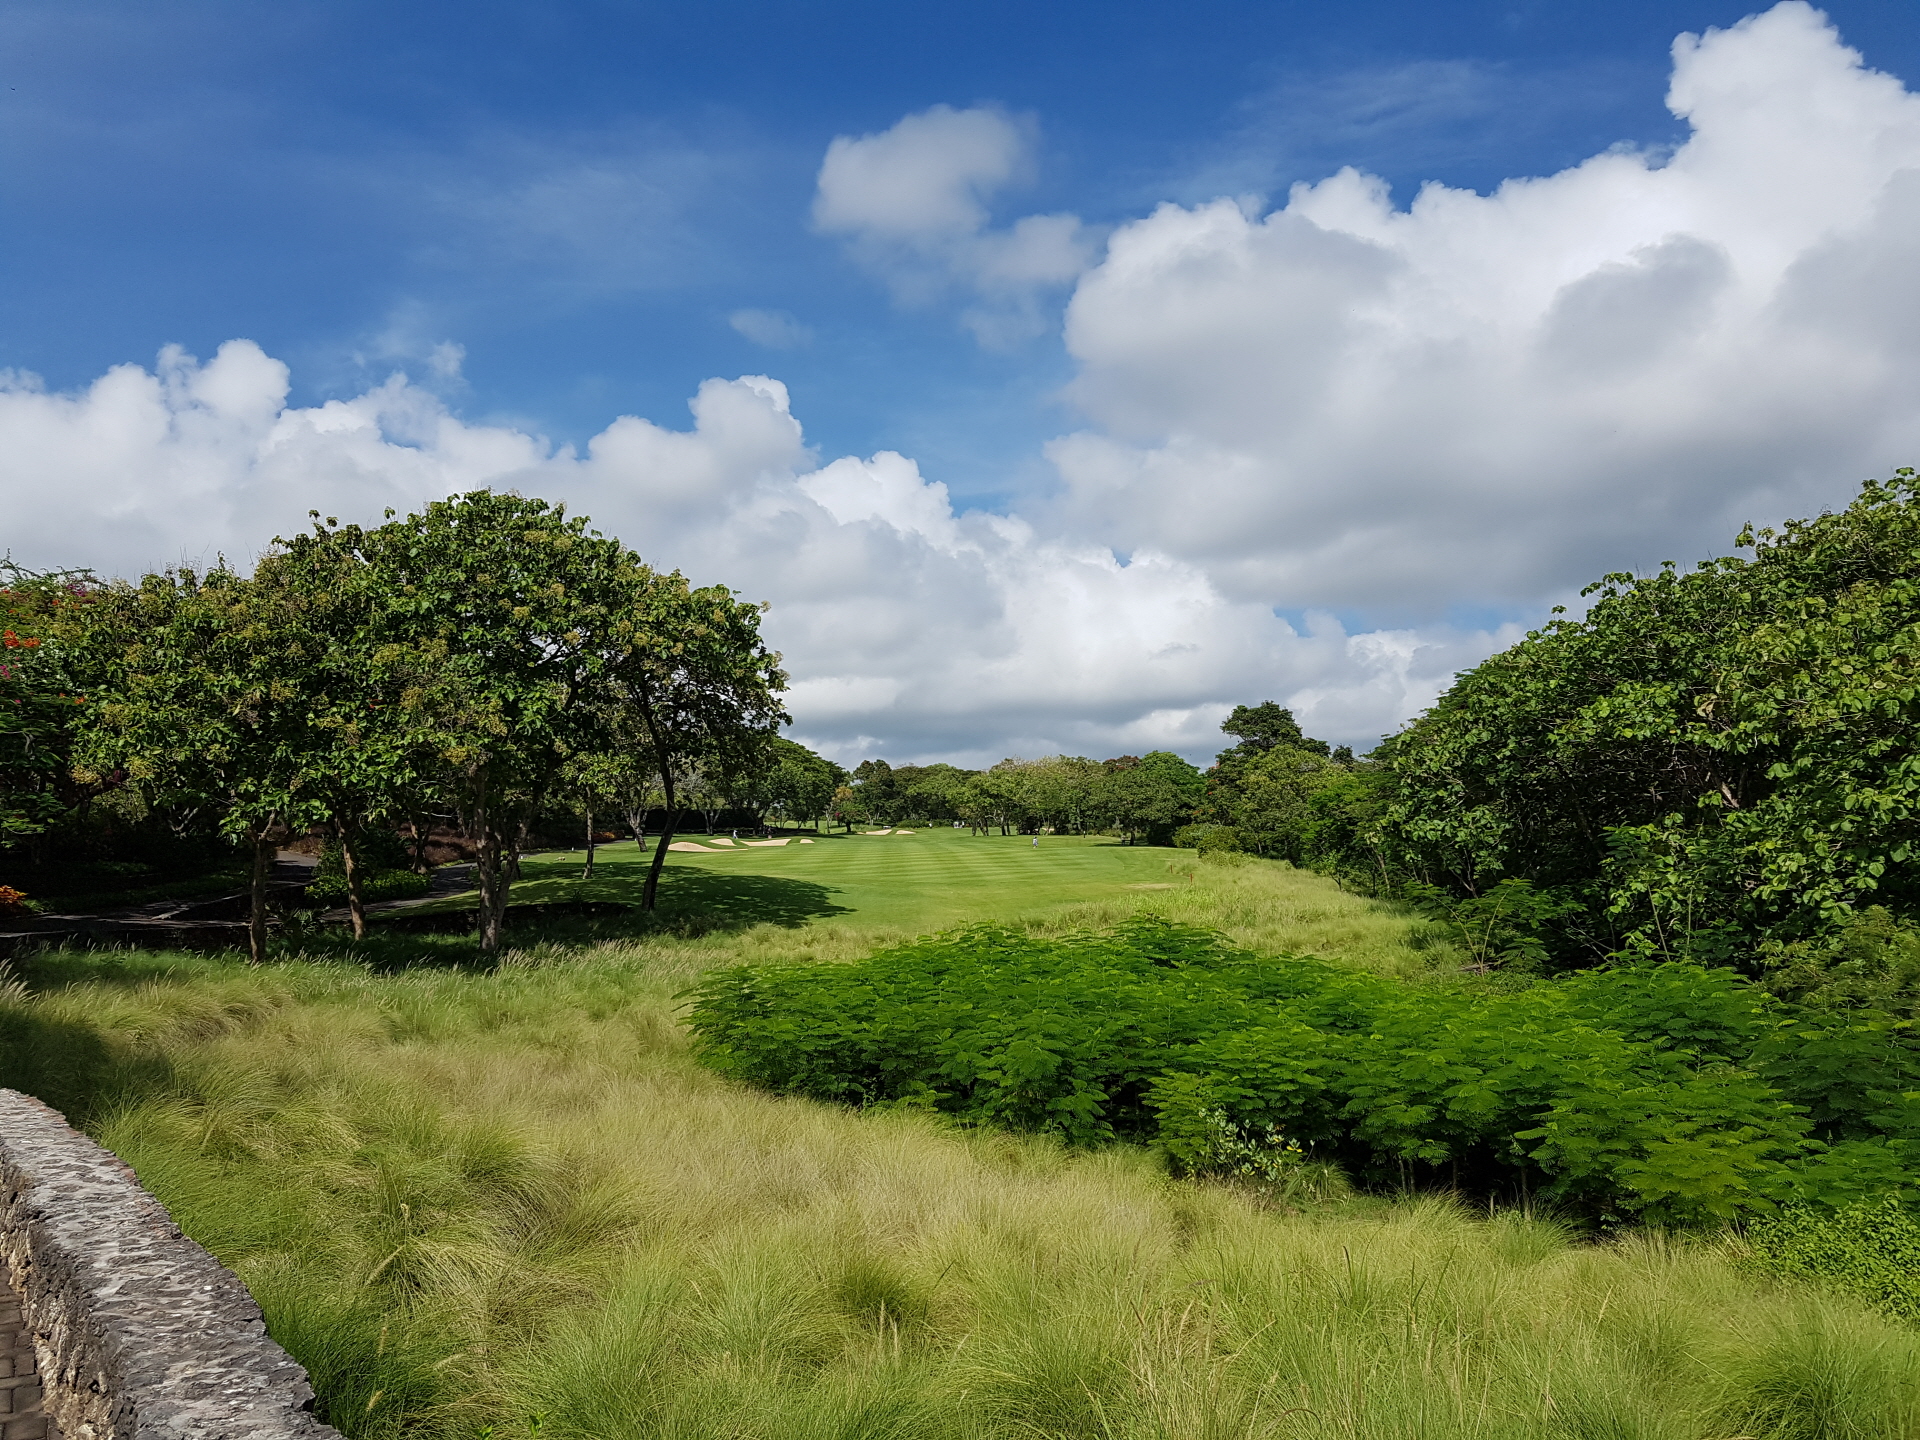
[475, 1202]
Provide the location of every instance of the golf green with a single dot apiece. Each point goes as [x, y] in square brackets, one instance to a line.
[927, 879]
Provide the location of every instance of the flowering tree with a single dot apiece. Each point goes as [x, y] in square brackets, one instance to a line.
[41, 698]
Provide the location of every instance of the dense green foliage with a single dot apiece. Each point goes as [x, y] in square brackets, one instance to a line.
[1872, 1251]
[1670, 1091]
[39, 695]
[473, 661]
[1705, 760]
[1143, 797]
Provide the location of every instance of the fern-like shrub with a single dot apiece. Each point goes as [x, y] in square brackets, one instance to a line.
[1668, 1092]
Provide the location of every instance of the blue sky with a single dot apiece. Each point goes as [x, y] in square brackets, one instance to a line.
[585, 198]
[344, 181]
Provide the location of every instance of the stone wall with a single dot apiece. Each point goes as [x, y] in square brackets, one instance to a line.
[140, 1334]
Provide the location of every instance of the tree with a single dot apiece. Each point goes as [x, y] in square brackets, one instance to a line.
[1261, 727]
[42, 697]
[1269, 800]
[1705, 759]
[883, 799]
[1148, 796]
[1061, 790]
[848, 807]
[523, 616]
[703, 685]
[799, 783]
[208, 703]
[931, 790]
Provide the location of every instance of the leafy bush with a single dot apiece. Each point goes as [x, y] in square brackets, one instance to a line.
[1669, 1091]
[1206, 838]
[1511, 925]
[380, 885]
[1872, 1251]
[378, 850]
[1872, 961]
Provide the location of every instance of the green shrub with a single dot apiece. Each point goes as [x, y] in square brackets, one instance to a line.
[380, 885]
[1209, 837]
[1632, 1092]
[1872, 961]
[1870, 1250]
[378, 850]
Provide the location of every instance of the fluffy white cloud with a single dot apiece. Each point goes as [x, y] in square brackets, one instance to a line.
[1482, 399]
[1469, 406]
[908, 628]
[912, 202]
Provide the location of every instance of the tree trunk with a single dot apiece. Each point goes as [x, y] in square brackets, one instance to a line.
[493, 890]
[652, 890]
[416, 823]
[257, 912]
[587, 873]
[519, 844]
[348, 834]
[493, 882]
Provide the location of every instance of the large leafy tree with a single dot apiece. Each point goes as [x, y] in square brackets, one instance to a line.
[1147, 796]
[205, 703]
[799, 783]
[1706, 758]
[520, 616]
[703, 687]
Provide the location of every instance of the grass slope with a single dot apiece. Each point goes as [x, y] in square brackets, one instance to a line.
[484, 1199]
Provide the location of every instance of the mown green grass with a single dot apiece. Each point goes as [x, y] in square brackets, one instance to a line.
[483, 1198]
[880, 888]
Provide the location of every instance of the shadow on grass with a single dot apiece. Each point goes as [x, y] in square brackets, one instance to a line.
[693, 902]
[69, 1066]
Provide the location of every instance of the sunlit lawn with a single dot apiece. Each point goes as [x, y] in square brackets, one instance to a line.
[921, 880]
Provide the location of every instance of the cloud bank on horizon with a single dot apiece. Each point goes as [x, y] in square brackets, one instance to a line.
[1469, 406]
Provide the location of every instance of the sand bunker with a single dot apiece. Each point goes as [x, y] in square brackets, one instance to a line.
[689, 845]
[764, 842]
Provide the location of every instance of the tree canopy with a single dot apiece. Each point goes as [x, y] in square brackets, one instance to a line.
[483, 655]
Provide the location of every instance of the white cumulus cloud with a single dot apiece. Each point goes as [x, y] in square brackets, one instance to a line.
[1484, 399]
[909, 628]
[913, 202]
